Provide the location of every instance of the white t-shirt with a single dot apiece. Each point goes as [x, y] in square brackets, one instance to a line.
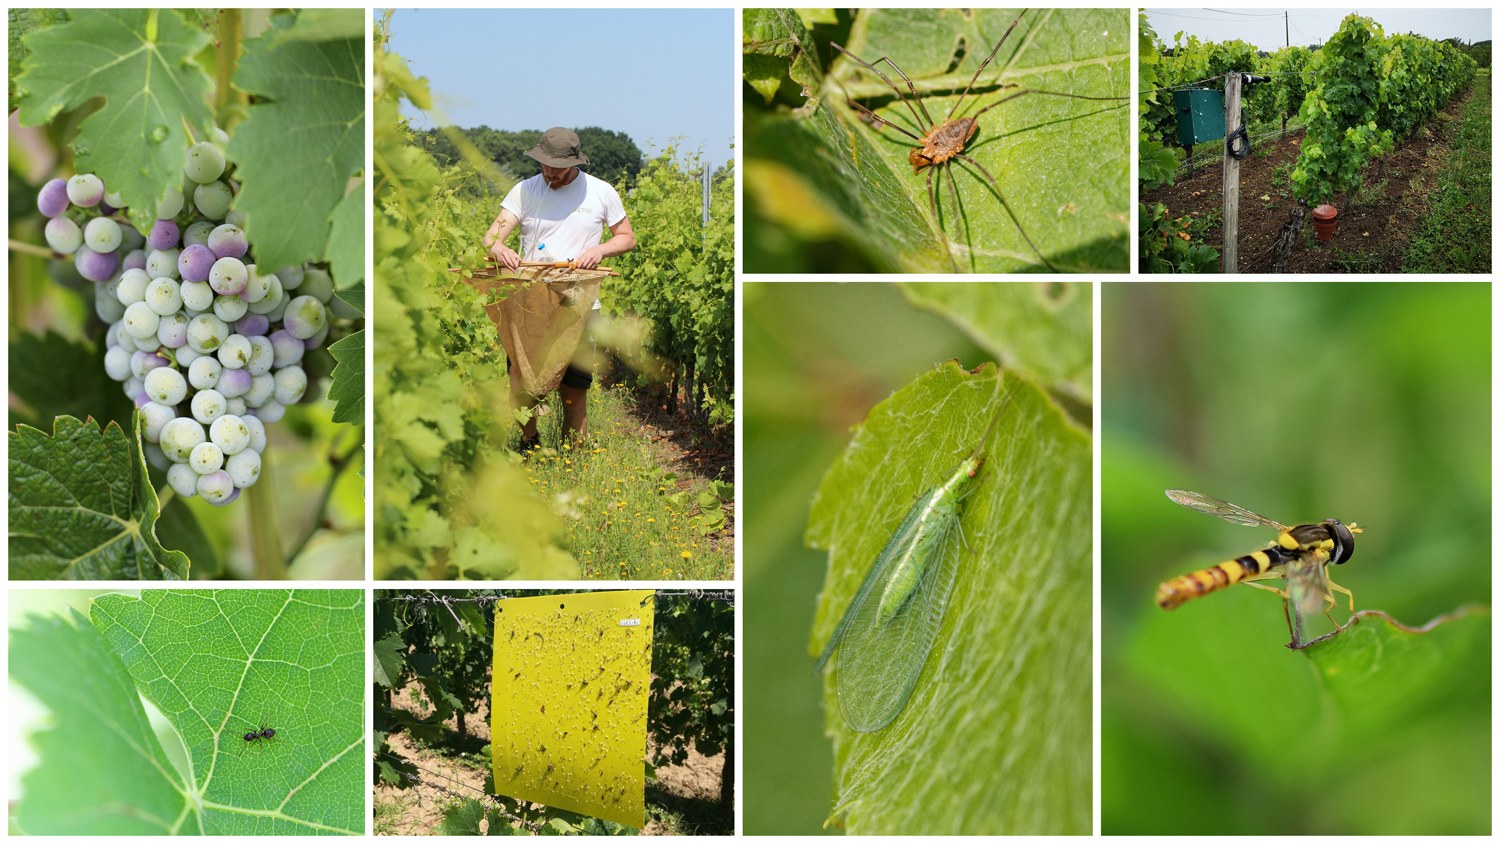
[567, 221]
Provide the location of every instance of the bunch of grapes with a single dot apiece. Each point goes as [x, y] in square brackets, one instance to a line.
[207, 345]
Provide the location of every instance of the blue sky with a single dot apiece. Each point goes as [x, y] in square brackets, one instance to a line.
[653, 74]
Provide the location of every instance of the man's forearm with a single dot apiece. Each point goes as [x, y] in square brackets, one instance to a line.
[619, 245]
[497, 234]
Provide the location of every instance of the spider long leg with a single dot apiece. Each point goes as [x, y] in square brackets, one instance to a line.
[952, 191]
[985, 64]
[910, 87]
[932, 206]
[1038, 91]
[873, 116]
[1006, 205]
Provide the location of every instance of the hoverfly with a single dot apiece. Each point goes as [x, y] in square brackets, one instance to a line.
[1300, 555]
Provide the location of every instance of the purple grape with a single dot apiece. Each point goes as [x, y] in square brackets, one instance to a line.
[136, 260]
[141, 399]
[95, 266]
[234, 382]
[164, 235]
[53, 198]
[63, 235]
[230, 500]
[252, 325]
[106, 209]
[289, 349]
[228, 241]
[195, 263]
[85, 189]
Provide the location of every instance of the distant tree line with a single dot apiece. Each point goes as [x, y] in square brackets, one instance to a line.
[611, 155]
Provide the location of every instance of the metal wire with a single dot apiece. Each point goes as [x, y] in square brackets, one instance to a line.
[430, 597]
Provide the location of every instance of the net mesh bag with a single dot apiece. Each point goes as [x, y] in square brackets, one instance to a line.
[540, 319]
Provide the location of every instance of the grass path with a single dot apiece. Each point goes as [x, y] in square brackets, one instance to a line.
[634, 510]
[1454, 235]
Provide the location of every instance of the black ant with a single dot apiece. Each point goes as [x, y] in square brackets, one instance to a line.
[263, 733]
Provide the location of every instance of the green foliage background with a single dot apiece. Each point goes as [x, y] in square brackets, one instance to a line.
[1362, 402]
[612, 155]
[828, 193]
[215, 665]
[818, 357]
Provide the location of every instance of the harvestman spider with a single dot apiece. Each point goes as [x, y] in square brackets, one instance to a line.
[945, 142]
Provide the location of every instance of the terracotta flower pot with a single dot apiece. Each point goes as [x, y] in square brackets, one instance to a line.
[1325, 219]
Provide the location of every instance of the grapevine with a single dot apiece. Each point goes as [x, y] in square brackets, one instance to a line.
[690, 303]
[215, 285]
[1370, 90]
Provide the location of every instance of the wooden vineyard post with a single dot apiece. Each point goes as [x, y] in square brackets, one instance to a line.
[1230, 261]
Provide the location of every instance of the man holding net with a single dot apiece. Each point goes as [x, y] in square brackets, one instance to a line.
[562, 213]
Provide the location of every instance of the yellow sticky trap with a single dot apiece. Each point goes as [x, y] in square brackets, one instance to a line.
[568, 707]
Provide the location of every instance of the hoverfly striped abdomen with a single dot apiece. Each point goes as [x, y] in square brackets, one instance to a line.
[1174, 592]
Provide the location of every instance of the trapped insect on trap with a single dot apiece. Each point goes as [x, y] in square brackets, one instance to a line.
[568, 707]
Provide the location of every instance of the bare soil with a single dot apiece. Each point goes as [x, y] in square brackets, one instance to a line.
[1373, 229]
[455, 767]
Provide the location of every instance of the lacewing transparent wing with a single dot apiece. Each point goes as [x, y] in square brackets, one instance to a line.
[887, 631]
[880, 661]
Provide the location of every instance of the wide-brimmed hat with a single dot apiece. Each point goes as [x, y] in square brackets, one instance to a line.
[559, 148]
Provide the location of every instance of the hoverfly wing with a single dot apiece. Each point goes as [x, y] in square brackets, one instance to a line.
[1307, 582]
[1223, 509]
[881, 661]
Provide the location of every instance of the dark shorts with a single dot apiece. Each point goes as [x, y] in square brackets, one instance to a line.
[577, 378]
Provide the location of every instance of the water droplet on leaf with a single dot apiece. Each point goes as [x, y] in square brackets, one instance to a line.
[158, 134]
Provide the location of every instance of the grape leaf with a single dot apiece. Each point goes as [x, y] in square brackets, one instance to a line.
[1043, 329]
[346, 241]
[222, 663]
[82, 507]
[141, 62]
[87, 391]
[1002, 714]
[348, 388]
[325, 25]
[1380, 675]
[1063, 164]
[778, 52]
[179, 529]
[101, 770]
[24, 22]
[354, 296]
[302, 141]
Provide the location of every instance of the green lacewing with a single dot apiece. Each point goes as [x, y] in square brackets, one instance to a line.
[887, 631]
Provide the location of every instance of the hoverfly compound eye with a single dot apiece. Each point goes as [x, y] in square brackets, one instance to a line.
[1343, 540]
